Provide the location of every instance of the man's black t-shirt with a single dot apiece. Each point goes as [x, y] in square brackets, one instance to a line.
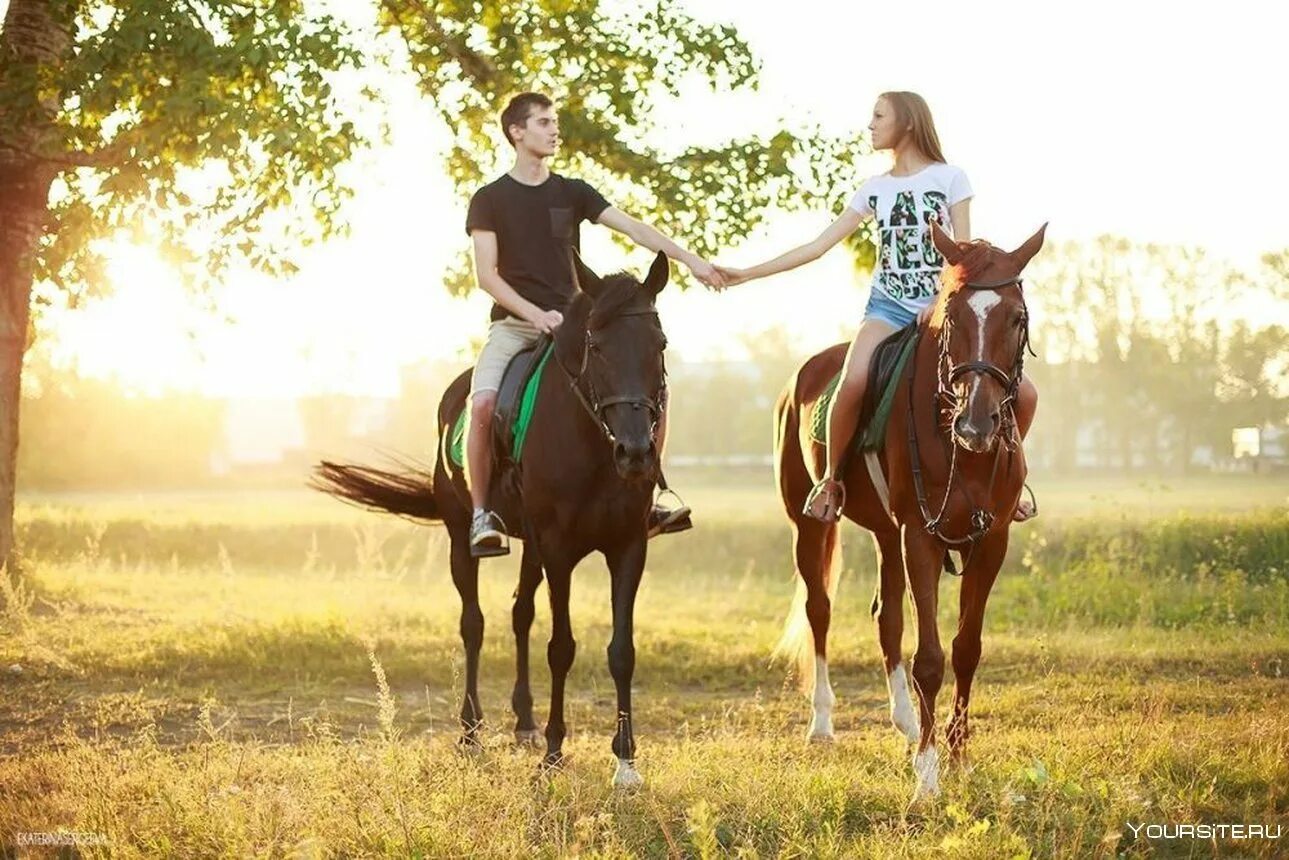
[535, 224]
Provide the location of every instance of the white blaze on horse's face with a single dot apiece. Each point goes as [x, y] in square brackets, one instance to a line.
[982, 302]
[975, 421]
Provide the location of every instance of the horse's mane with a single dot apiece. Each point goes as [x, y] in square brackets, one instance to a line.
[616, 292]
[974, 261]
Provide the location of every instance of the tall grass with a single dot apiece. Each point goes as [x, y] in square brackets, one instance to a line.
[288, 688]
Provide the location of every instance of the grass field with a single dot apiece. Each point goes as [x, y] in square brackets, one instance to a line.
[279, 675]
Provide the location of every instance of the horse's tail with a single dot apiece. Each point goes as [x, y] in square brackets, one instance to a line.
[782, 418]
[409, 493]
[797, 644]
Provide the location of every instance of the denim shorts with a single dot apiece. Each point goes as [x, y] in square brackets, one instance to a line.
[883, 307]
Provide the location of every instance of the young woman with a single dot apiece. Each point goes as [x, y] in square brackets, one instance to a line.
[920, 186]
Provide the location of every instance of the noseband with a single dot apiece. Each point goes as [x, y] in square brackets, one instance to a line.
[589, 397]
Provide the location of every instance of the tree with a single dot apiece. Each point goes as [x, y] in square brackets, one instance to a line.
[607, 72]
[1163, 382]
[107, 109]
[159, 441]
[115, 114]
[1253, 369]
[1276, 264]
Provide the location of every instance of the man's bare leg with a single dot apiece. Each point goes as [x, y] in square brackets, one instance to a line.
[485, 536]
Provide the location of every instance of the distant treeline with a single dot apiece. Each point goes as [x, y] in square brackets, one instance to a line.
[1149, 356]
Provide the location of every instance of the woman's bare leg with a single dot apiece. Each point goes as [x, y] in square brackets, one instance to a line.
[843, 412]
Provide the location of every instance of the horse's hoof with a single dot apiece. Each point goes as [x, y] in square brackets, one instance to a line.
[552, 761]
[469, 745]
[529, 737]
[820, 731]
[627, 778]
[921, 805]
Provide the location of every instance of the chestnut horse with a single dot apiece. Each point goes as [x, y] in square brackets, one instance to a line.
[953, 461]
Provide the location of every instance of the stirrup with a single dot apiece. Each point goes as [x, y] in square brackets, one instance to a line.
[492, 550]
[671, 520]
[1033, 502]
[665, 491]
[835, 493]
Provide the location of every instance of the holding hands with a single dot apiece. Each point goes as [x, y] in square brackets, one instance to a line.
[734, 277]
[709, 275]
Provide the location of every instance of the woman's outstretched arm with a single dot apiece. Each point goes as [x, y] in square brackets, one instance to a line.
[845, 224]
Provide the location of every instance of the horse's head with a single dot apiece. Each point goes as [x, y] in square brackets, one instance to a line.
[983, 327]
[611, 343]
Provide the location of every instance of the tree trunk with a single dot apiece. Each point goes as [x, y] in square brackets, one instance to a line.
[34, 41]
[22, 214]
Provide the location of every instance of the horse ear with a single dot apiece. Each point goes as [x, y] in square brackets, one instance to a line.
[658, 274]
[945, 245]
[1029, 248]
[584, 280]
[570, 337]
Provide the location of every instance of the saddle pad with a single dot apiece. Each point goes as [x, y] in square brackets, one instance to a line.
[523, 417]
[888, 363]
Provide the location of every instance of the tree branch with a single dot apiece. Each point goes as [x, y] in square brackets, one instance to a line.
[474, 64]
[111, 155]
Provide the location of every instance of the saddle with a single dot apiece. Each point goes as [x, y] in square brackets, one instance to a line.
[514, 409]
[884, 371]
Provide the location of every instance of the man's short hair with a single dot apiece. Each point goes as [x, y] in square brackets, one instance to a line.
[516, 113]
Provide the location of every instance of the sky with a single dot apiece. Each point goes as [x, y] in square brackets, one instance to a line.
[1157, 122]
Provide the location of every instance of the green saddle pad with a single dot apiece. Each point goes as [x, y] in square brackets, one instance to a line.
[872, 435]
[523, 417]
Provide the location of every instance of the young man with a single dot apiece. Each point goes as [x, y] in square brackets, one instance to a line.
[521, 226]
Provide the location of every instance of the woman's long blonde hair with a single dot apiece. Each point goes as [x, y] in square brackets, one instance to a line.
[911, 110]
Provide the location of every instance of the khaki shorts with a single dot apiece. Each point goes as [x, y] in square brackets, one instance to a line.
[506, 339]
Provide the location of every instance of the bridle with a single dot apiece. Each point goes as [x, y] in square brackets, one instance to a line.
[590, 398]
[947, 375]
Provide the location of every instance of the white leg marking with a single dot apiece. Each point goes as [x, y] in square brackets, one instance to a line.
[926, 766]
[823, 701]
[903, 717]
[627, 777]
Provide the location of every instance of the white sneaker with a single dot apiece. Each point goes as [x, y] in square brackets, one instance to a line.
[485, 538]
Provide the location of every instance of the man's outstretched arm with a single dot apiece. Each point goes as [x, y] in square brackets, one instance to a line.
[649, 237]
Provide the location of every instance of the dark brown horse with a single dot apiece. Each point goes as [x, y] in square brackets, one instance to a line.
[953, 461]
[586, 484]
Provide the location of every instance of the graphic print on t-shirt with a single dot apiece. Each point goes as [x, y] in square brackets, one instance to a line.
[935, 207]
[909, 265]
[902, 209]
